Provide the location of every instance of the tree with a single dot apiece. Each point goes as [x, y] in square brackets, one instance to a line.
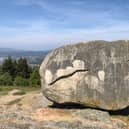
[1, 70]
[15, 68]
[35, 77]
[23, 69]
[6, 79]
[20, 81]
[9, 66]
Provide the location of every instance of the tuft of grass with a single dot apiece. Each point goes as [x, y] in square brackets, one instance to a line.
[5, 89]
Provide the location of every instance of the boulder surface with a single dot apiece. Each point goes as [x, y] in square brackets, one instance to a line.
[94, 74]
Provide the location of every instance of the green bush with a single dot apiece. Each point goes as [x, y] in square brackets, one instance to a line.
[35, 77]
[6, 79]
[20, 81]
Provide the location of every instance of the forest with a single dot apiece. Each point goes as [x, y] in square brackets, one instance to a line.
[18, 73]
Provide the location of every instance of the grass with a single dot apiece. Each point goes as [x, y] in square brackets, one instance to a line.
[5, 89]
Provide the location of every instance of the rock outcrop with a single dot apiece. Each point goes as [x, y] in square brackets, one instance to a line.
[94, 74]
[32, 111]
[77, 119]
[17, 92]
[59, 119]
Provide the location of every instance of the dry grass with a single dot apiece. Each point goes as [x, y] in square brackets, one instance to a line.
[5, 89]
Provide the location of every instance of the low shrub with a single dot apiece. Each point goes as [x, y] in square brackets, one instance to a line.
[6, 79]
[20, 81]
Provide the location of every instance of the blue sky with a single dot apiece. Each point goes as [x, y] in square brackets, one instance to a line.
[46, 24]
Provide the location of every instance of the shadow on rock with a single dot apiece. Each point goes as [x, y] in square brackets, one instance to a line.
[68, 106]
[122, 112]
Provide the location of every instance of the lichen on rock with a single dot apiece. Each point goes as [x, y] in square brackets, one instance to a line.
[96, 70]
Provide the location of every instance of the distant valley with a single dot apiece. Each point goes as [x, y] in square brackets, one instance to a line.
[33, 57]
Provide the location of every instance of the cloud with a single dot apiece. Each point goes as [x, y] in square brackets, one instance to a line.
[59, 22]
[79, 13]
[37, 38]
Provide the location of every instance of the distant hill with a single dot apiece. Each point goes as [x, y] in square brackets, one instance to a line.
[16, 52]
[33, 57]
[7, 49]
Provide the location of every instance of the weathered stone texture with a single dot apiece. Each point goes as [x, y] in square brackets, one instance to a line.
[94, 74]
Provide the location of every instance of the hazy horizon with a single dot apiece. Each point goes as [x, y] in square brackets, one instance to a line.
[18, 49]
[47, 24]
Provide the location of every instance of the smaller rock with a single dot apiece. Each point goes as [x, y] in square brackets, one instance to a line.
[35, 100]
[16, 92]
[94, 115]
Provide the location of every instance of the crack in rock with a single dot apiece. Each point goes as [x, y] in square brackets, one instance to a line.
[68, 75]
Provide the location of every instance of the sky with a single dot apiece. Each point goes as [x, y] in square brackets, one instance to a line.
[47, 24]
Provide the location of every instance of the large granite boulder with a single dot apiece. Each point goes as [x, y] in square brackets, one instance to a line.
[94, 74]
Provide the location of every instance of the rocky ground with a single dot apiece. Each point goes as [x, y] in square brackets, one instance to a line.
[31, 111]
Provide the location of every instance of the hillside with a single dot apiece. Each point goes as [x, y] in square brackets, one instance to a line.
[33, 57]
